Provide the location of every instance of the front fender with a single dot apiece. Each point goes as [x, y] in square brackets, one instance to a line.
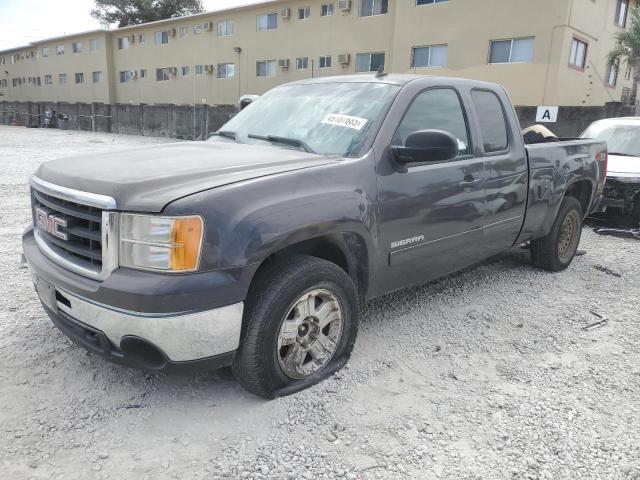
[248, 221]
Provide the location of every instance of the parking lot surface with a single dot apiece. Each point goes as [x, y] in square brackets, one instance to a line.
[486, 374]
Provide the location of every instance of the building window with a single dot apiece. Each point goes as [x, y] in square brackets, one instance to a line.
[429, 56]
[622, 9]
[76, 47]
[45, 53]
[94, 45]
[326, 9]
[123, 43]
[202, 27]
[267, 21]
[185, 30]
[185, 70]
[141, 38]
[514, 50]
[48, 80]
[80, 77]
[60, 50]
[226, 28]
[226, 70]
[627, 74]
[578, 55]
[162, 38]
[303, 13]
[302, 63]
[126, 76]
[143, 73]
[429, 2]
[612, 75]
[96, 77]
[369, 62]
[163, 74]
[199, 69]
[266, 68]
[369, 8]
[324, 61]
[62, 78]
[1, 60]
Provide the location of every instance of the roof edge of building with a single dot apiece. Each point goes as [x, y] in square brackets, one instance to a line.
[246, 6]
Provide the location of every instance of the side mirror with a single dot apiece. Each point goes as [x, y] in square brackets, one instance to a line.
[426, 146]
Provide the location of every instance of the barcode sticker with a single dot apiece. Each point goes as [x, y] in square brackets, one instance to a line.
[347, 121]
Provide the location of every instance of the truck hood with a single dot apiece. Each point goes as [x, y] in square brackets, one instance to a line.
[147, 179]
[623, 166]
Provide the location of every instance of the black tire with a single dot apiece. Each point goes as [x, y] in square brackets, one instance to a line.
[274, 291]
[552, 252]
[635, 213]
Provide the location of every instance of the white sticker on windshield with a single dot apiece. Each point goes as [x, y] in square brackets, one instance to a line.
[344, 121]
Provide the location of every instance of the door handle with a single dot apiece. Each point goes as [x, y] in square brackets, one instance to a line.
[470, 182]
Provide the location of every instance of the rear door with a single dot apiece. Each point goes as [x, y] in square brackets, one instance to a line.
[506, 169]
[431, 215]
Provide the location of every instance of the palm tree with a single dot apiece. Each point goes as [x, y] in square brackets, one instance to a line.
[627, 49]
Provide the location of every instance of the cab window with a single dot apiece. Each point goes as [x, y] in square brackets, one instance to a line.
[437, 108]
[493, 125]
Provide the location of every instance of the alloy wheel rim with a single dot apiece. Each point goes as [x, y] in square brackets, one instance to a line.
[309, 334]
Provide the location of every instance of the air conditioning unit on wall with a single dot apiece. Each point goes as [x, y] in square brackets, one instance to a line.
[344, 58]
[283, 63]
[344, 5]
[285, 13]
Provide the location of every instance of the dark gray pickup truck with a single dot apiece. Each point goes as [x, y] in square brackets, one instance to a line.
[256, 248]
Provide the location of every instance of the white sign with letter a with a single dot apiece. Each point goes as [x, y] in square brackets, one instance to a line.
[547, 114]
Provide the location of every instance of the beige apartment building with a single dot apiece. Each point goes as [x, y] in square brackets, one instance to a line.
[545, 52]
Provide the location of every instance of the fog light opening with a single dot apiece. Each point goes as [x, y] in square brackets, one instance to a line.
[142, 353]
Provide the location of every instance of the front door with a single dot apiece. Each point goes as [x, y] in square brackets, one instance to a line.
[431, 215]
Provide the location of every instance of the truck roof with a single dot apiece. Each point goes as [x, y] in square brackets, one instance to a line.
[391, 78]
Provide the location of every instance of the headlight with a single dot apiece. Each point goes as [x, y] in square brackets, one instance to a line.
[160, 243]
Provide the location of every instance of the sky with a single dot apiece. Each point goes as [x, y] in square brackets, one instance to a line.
[24, 21]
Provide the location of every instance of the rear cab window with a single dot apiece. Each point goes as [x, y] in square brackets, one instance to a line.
[491, 120]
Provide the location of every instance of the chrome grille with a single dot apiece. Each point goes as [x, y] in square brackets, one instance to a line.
[83, 225]
[75, 229]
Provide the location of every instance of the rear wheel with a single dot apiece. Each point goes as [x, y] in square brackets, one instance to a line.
[556, 250]
[301, 321]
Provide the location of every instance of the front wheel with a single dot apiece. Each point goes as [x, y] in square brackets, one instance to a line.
[556, 250]
[301, 321]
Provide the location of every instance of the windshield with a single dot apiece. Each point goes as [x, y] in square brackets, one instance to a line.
[621, 139]
[325, 118]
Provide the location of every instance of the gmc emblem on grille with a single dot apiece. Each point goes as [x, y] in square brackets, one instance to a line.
[50, 223]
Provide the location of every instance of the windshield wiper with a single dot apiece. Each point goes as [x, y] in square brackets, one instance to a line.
[225, 134]
[620, 154]
[286, 140]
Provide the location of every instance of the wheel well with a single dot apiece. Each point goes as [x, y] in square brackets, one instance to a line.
[582, 191]
[347, 250]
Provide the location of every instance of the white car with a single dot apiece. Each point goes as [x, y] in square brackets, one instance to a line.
[622, 188]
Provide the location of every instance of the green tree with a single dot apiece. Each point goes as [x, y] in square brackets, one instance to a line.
[627, 49]
[134, 12]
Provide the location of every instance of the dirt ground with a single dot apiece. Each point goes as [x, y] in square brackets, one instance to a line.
[487, 374]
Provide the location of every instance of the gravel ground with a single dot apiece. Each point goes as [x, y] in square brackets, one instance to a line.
[485, 374]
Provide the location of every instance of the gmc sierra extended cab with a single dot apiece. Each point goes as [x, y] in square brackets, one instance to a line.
[256, 248]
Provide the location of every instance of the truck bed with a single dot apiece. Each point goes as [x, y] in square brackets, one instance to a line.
[552, 167]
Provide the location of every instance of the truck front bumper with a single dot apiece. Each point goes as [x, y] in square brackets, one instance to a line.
[163, 338]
